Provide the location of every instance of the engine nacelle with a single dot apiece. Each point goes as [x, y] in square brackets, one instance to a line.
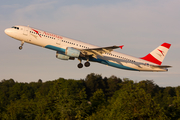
[63, 57]
[72, 52]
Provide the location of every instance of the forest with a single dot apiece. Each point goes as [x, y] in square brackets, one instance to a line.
[92, 98]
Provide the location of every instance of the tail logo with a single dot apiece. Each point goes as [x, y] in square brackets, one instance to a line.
[162, 52]
[157, 55]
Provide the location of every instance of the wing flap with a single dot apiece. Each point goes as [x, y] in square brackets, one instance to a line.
[98, 51]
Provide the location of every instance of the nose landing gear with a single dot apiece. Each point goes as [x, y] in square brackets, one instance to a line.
[20, 47]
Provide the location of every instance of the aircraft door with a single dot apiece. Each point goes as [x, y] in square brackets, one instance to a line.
[26, 31]
[58, 42]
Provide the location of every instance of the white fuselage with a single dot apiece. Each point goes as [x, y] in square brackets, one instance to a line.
[59, 43]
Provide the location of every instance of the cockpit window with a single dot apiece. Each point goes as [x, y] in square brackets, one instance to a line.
[15, 27]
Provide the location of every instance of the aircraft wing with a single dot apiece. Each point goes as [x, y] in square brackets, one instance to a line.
[98, 51]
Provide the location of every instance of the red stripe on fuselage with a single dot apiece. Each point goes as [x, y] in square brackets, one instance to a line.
[37, 32]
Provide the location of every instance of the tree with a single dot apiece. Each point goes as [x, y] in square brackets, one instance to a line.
[69, 99]
[98, 99]
[94, 82]
[93, 98]
[39, 81]
[112, 85]
[149, 86]
[131, 102]
[173, 110]
[22, 109]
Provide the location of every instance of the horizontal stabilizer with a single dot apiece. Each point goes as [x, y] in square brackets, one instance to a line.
[161, 66]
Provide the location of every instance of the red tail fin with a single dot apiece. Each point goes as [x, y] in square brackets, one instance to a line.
[157, 56]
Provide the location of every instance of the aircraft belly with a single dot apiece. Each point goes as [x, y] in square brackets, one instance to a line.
[125, 65]
[148, 68]
[113, 64]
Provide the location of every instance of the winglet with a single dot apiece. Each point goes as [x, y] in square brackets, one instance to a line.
[121, 46]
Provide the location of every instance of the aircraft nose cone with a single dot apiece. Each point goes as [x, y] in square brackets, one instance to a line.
[7, 31]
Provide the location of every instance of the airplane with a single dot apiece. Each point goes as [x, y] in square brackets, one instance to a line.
[69, 49]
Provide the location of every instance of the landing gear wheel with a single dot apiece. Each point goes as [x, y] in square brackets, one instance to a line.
[20, 47]
[87, 64]
[80, 65]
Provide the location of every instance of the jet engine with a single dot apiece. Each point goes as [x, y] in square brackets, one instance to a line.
[63, 57]
[72, 52]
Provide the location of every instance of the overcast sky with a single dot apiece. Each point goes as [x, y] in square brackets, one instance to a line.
[139, 25]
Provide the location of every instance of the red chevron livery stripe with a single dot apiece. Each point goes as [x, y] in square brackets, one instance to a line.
[152, 59]
[167, 45]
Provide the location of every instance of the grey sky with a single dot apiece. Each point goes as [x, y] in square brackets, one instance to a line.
[140, 25]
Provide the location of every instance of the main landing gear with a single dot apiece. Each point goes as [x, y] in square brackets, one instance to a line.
[86, 64]
[80, 65]
[20, 47]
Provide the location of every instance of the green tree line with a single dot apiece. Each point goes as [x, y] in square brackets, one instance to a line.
[92, 98]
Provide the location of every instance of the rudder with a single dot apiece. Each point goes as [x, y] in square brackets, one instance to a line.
[157, 56]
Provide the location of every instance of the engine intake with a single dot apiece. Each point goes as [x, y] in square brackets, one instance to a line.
[72, 52]
[63, 57]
